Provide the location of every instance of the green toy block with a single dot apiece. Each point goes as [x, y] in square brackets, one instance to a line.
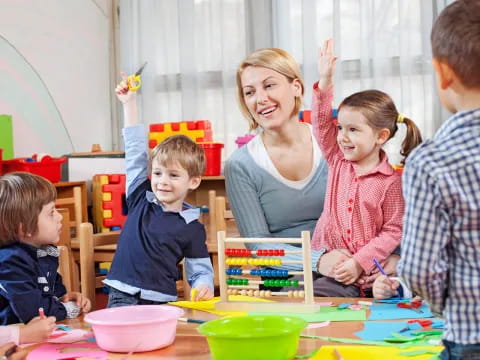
[6, 136]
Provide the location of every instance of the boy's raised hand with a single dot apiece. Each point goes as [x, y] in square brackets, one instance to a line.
[123, 91]
[326, 65]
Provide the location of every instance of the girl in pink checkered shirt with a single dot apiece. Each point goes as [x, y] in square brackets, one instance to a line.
[364, 205]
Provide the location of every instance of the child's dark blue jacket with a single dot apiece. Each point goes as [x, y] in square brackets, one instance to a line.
[28, 281]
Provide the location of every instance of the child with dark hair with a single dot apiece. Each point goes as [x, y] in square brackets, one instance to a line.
[29, 229]
[364, 204]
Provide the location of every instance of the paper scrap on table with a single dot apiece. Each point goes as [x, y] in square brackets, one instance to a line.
[327, 313]
[67, 337]
[209, 305]
[318, 325]
[380, 330]
[326, 352]
[393, 312]
[67, 351]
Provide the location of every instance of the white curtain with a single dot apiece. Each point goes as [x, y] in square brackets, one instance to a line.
[194, 46]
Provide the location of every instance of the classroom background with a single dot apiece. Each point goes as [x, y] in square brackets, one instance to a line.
[60, 60]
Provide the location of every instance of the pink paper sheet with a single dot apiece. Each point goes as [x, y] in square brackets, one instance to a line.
[67, 351]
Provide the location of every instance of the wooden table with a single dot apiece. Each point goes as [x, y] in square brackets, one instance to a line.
[189, 344]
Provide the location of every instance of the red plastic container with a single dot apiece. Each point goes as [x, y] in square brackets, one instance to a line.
[50, 168]
[213, 157]
[1, 166]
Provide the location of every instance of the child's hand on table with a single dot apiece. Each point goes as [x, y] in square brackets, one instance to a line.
[203, 292]
[384, 288]
[82, 301]
[12, 352]
[348, 272]
[37, 330]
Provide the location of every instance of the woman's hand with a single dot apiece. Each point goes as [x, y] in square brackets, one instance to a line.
[82, 301]
[37, 330]
[390, 267]
[329, 260]
[326, 65]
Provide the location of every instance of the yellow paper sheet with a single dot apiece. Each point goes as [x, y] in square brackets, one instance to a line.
[209, 305]
[373, 352]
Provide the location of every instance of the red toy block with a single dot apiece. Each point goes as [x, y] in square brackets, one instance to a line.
[203, 125]
[152, 143]
[307, 114]
[156, 127]
[116, 187]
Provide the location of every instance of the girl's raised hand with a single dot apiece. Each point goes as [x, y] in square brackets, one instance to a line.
[122, 90]
[326, 65]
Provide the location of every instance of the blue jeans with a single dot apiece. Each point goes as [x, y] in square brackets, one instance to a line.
[455, 351]
[118, 298]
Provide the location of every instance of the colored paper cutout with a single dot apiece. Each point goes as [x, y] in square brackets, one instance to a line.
[68, 337]
[67, 351]
[318, 325]
[378, 331]
[328, 314]
[326, 352]
[209, 305]
[392, 312]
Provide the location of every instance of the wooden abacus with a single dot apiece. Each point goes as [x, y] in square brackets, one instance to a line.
[246, 286]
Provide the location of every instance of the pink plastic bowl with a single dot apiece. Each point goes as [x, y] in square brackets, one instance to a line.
[134, 328]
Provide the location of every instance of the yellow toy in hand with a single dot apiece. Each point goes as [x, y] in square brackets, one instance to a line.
[135, 81]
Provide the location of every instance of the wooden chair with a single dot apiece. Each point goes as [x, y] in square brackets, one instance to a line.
[67, 266]
[74, 204]
[220, 219]
[93, 248]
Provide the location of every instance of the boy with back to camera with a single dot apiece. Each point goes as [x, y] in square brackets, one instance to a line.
[441, 182]
[161, 229]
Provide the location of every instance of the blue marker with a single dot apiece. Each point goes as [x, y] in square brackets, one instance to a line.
[380, 268]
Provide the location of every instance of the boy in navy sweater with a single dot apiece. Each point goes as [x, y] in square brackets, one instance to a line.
[29, 229]
[161, 229]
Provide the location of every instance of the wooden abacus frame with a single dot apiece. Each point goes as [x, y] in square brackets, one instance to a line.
[307, 306]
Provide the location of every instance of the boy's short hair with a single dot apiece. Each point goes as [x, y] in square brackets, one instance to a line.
[22, 197]
[456, 40]
[181, 149]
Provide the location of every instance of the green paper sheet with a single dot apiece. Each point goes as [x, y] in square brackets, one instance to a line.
[328, 313]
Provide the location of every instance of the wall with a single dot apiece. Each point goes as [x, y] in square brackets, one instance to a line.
[54, 71]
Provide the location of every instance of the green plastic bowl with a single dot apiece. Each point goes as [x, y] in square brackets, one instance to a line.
[269, 337]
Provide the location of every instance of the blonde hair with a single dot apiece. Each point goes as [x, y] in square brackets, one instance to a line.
[22, 197]
[381, 113]
[181, 149]
[274, 59]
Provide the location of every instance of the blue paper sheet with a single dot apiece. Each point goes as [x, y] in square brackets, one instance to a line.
[392, 312]
[378, 331]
